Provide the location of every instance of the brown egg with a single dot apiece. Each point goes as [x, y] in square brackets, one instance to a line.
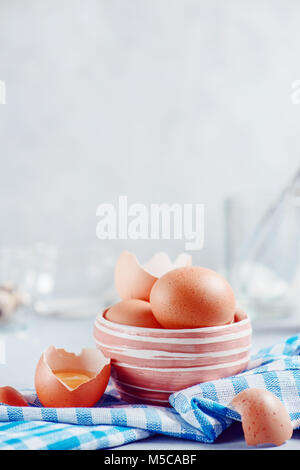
[265, 419]
[192, 297]
[132, 312]
[64, 379]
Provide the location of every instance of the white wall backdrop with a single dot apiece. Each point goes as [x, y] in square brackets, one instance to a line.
[160, 100]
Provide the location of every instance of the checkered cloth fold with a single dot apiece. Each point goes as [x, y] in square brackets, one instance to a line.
[200, 413]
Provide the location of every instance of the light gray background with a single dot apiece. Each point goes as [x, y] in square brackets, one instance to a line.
[160, 100]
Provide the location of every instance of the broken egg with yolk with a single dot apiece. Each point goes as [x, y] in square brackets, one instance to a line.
[64, 379]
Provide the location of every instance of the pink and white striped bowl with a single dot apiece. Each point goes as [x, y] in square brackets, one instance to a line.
[149, 364]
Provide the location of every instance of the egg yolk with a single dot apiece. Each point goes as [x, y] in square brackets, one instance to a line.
[73, 378]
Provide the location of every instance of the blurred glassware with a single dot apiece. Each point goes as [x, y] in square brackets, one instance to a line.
[263, 253]
[14, 268]
[68, 282]
[74, 283]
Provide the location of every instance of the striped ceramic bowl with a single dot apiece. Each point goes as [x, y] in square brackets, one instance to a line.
[149, 364]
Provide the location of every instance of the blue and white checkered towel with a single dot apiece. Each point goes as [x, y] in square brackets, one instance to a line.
[198, 413]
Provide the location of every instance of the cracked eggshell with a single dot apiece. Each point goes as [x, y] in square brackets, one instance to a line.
[135, 281]
[11, 396]
[53, 392]
[265, 420]
[133, 312]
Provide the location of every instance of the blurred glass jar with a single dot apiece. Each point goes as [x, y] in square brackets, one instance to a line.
[81, 282]
[68, 282]
[15, 262]
[262, 254]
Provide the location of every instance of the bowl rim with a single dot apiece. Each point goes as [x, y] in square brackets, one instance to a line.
[205, 329]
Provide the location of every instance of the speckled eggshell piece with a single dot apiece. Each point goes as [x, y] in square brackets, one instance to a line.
[265, 420]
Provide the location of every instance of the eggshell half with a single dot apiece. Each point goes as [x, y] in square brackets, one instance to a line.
[265, 420]
[11, 396]
[132, 312]
[135, 281]
[53, 392]
[192, 297]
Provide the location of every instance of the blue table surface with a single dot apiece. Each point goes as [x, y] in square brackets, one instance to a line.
[25, 343]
